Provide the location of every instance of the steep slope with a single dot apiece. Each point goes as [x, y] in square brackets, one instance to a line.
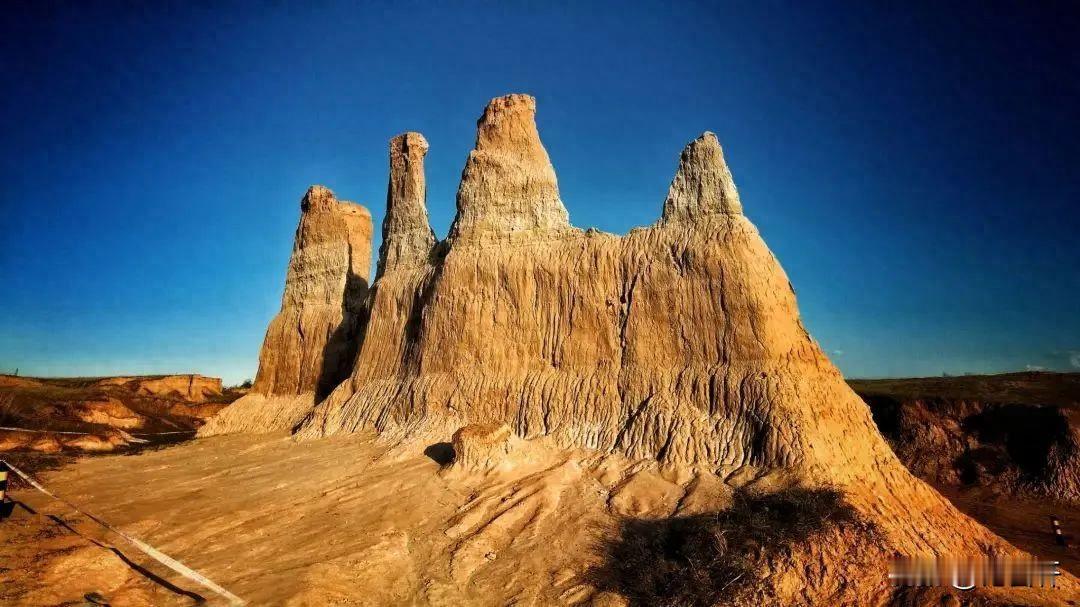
[680, 343]
[310, 345]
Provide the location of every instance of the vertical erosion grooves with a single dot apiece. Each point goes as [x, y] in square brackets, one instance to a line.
[311, 344]
[679, 342]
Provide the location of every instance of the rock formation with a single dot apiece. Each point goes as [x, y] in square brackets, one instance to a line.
[508, 187]
[310, 345]
[679, 344]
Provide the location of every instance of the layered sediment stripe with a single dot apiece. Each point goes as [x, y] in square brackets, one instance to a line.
[147, 549]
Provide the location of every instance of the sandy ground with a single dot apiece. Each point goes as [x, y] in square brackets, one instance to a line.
[330, 522]
[46, 561]
[345, 521]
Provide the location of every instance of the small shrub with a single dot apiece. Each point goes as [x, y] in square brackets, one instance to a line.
[708, 559]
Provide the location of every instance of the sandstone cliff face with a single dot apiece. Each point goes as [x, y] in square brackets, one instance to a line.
[310, 345]
[679, 342]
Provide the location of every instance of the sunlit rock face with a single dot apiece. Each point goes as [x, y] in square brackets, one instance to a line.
[666, 343]
[679, 342]
[311, 344]
[508, 188]
[407, 235]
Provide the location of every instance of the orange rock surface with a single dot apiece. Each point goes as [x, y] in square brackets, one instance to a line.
[677, 346]
[310, 345]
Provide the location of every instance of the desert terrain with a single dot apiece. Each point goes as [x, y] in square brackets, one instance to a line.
[531, 413]
[99, 414]
[347, 521]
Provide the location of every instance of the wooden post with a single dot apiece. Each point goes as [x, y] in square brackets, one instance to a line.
[5, 508]
[1055, 525]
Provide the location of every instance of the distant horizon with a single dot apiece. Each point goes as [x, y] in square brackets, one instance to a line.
[228, 384]
[912, 168]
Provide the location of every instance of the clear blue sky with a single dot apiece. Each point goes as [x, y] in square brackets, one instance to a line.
[914, 169]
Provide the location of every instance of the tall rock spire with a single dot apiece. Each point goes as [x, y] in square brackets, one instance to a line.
[703, 183]
[311, 344]
[508, 185]
[407, 234]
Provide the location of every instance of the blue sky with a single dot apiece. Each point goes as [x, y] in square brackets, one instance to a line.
[913, 168]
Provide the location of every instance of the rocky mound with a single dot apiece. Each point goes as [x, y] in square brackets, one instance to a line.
[109, 411]
[310, 345]
[94, 414]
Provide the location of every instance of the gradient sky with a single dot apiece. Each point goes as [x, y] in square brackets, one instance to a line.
[914, 169]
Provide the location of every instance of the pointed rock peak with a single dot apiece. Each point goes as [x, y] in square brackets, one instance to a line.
[703, 183]
[509, 125]
[407, 234]
[317, 197]
[508, 186]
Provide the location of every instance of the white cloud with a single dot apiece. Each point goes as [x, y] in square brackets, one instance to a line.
[841, 353]
[1074, 359]
[1034, 368]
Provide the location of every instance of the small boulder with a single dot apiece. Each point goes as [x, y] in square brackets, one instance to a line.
[482, 447]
